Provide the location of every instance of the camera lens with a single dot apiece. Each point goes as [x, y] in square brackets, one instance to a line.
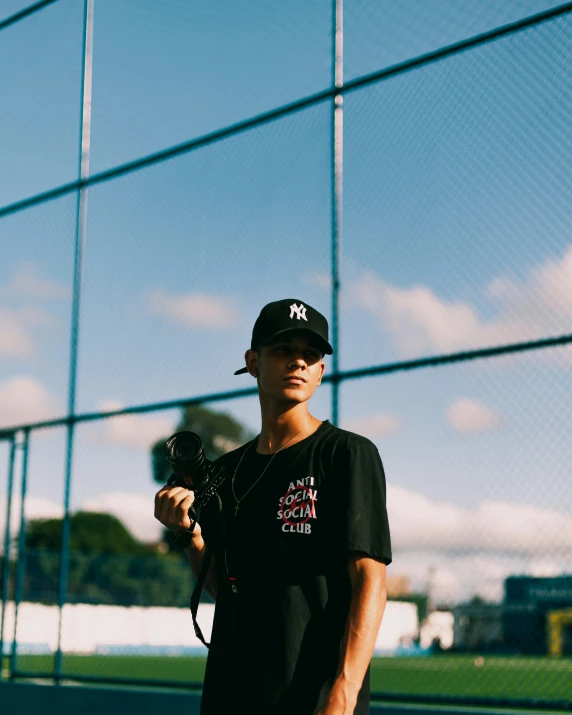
[185, 452]
[186, 447]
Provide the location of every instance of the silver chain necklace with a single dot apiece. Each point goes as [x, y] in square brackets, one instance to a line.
[237, 500]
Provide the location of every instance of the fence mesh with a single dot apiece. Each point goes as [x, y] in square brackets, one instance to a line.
[456, 195]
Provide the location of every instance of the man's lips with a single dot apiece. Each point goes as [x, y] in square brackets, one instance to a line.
[295, 379]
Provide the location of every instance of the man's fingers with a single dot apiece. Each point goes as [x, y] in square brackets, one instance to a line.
[160, 493]
[179, 505]
[183, 512]
[164, 494]
[159, 500]
[166, 490]
[172, 505]
[184, 494]
[187, 503]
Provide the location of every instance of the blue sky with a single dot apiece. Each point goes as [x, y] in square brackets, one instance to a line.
[457, 194]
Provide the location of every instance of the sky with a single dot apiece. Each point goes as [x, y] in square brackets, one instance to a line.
[456, 235]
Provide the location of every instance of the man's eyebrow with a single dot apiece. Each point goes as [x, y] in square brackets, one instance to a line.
[290, 341]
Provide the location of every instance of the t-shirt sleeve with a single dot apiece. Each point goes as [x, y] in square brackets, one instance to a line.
[366, 526]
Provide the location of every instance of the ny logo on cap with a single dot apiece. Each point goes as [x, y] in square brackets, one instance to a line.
[299, 310]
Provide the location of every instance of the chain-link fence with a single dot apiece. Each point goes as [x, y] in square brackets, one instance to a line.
[182, 164]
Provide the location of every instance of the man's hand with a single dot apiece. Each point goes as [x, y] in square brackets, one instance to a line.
[172, 506]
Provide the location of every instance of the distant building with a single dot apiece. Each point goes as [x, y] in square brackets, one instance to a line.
[522, 623]
[437, 631]
[477, 627]
[527, 603]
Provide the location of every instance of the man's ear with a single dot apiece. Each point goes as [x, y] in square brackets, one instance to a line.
[323, 368]
[251, 360]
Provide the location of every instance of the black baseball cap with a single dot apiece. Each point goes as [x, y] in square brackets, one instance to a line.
[286, 315]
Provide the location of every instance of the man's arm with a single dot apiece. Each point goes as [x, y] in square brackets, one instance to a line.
[368, 579]
[172, 506]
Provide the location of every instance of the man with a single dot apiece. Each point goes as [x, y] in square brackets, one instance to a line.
[300, 539]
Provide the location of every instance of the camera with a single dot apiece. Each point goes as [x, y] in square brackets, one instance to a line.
[191, 468]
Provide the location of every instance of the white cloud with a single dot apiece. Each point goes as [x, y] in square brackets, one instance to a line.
[36, 317]
[474, 550]
[318, 279]
[458, 577]
[419, 321]
[23, 399]
[26, 283]
[135, 511]
[193, 310]
[417, 522]
[546, 295]
[373, 426]
[137, 431]
[42, 508]
[14, 340]
[469, 416]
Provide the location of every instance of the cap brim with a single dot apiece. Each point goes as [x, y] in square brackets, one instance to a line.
[327, 348]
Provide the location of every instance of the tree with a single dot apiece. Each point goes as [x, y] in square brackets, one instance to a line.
[219, 432]
[90, 533]
[107, 565]
[477, 600]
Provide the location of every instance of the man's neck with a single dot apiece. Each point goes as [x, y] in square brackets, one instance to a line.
[283, 426]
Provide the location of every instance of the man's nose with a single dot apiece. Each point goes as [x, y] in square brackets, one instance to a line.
[299, 360]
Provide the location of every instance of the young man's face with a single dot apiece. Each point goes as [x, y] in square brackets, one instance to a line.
[289, 368]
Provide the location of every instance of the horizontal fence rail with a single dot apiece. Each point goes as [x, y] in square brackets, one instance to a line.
[25, 12]
[384, 369]
[286, 110]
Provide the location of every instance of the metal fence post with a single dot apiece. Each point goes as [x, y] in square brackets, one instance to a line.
[6, 564]
[337, 191]
[19, 584]
[81, 232]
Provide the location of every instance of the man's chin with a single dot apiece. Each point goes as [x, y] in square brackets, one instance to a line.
[293, 396]
[297, 393]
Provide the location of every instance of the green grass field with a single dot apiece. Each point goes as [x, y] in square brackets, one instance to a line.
[507, 677]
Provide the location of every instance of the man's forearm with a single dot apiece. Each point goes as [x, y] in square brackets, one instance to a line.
[195, 554]
[362, 625]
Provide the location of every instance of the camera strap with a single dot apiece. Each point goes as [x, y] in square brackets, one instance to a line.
[196, 595]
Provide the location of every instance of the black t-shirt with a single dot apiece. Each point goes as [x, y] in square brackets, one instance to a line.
[284, 590]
